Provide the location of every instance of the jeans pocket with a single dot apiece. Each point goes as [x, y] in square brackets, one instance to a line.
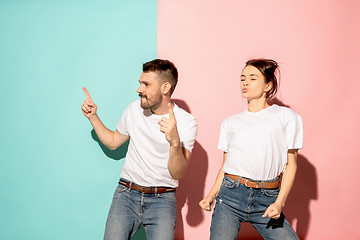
[119, 189]
[272, 192]
[228, 182]
[167, 195]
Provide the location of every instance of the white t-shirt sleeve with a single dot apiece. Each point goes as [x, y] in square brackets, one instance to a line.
[189, 135]
[223, 139]
[121, 126]
[294, 131]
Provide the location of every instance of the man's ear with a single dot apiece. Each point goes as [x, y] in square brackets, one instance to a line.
[165, 88]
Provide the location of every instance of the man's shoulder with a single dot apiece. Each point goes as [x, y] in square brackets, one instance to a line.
[135, 104]
[183, 114]
[132, 109]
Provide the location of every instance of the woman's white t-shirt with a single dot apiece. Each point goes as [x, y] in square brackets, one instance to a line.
[257, 142]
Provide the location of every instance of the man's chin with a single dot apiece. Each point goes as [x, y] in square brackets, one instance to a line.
[144, 103]
[144, 106]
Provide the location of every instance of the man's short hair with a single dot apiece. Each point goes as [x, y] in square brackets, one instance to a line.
[165, 69]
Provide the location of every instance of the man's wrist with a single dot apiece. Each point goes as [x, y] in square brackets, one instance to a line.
[175, 144]
[93, 117]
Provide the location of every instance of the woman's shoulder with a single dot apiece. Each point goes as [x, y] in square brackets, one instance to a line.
[285, 112]
[234, 117]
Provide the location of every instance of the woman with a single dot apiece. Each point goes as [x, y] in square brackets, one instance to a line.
[259, 144]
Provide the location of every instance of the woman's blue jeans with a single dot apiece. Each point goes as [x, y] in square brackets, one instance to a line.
[131, 209]
[237, 203]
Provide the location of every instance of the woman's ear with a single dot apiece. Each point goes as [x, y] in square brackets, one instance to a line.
[269, 86]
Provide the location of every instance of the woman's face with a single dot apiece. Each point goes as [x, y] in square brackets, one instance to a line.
[253, 84]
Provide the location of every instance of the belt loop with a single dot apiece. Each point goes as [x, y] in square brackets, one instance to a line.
[130, 185]
[262, 184]
[156, 191]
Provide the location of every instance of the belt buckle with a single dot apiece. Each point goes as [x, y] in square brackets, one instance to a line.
[246, 183]
[142, 189]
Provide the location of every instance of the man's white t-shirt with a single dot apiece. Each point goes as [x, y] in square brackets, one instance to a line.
[148, 152]
[257, 142]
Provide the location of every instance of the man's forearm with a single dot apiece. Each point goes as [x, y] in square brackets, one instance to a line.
[178, 162]
[105, 135]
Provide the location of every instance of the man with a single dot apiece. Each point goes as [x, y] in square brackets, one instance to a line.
[162, 136]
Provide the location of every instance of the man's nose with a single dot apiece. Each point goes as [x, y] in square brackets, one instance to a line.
[139, 90]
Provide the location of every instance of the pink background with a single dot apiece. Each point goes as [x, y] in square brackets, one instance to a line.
[316, 45]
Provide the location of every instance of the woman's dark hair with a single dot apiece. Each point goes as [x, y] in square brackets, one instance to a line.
[165, 69]
[268, 68]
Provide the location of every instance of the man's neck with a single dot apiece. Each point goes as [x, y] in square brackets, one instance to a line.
[163, 108]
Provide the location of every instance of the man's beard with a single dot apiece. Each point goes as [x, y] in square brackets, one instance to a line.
[154, 104]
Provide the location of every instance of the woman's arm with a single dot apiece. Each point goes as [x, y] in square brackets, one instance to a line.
[274, 210]
[209, 200]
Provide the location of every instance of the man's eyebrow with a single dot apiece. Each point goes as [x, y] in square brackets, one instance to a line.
[143, 81]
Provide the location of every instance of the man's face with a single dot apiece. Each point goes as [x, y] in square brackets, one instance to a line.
[149, 90]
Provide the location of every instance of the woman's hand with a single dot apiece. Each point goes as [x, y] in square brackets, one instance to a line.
[273, 211]
[207, 203]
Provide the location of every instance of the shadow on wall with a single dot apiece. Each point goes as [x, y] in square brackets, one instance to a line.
[298, 203]
[303, 191]
[191, 186]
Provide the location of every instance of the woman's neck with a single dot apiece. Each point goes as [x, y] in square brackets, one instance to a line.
[256, 105]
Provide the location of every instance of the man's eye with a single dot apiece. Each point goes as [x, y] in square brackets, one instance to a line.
[253, 78]
[242, 79]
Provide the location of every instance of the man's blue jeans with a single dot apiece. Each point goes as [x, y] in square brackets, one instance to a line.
[237, 203]
[131, 209]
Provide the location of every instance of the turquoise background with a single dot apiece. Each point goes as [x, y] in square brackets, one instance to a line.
[56, 180]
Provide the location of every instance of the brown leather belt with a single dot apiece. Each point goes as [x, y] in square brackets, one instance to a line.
[147, 189]
[255, 184]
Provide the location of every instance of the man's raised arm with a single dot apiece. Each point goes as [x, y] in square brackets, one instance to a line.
[110, 139]
[179, 156]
